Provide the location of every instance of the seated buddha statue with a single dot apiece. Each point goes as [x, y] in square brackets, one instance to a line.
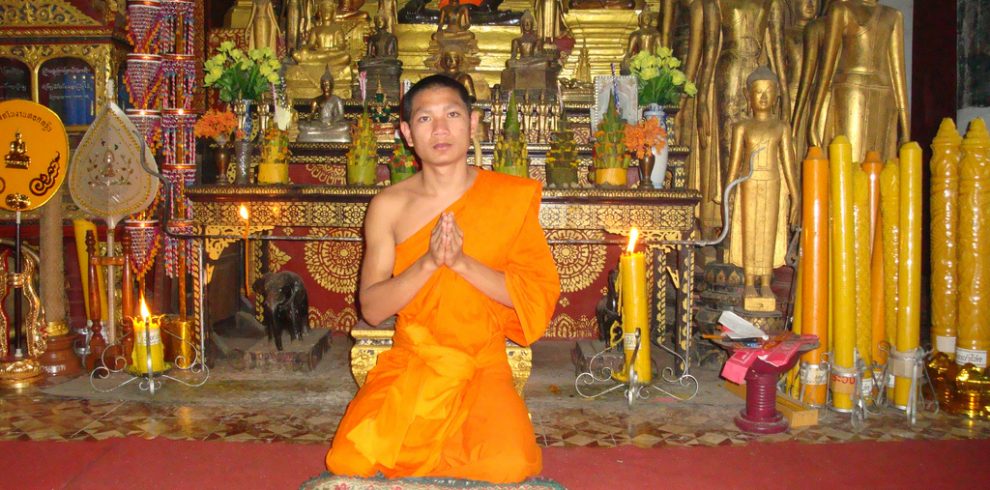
[645, 38]
[450, 65]
[325, 121]
[529, 67]
[381, 62]
[350, 10]
[17, 157]
[326, 42]
[454, 28]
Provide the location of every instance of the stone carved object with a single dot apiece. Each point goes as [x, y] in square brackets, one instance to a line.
[326, 119]
[768, 201]
[865, 98]
[286, 305]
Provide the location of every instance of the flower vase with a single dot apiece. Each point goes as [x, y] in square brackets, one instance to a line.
[610, 176]
[222, 157]
[242, 162]
[242, 109]
[658, 175]
[646, 171]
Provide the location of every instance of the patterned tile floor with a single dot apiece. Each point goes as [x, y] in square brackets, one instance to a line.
[305, 408]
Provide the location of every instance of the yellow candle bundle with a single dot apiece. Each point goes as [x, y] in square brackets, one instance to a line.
[974, 247]
[909, 264]
[873, 166]
[944, 235]
[861, 261]
[843, 274]
[814, 273]
[890, 205]
[148, 340]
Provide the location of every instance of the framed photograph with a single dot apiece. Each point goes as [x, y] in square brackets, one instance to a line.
[627, 100]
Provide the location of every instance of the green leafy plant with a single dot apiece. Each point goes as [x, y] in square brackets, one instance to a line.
[511, 155]
[659, 79]
[610, 146]
[239, 75]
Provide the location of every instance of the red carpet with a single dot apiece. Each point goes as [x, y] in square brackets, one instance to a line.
[162, 463]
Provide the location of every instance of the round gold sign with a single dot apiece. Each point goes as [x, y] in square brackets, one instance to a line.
[35, 153]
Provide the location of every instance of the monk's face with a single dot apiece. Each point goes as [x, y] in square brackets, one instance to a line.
[440, 127]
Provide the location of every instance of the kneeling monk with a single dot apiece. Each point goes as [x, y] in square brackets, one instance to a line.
[457, 252]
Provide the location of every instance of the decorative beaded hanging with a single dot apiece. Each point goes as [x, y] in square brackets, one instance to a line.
[145, 243]
[143, 80]
[179, 81]
[144, 21]
[178, 26]
[149, 124]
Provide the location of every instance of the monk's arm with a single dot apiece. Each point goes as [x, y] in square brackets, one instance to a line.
[487, 280]
[381, 294]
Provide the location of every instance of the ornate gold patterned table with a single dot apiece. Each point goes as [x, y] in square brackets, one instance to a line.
[587, 217]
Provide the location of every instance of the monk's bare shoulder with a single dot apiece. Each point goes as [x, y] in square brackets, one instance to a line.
[386, 207]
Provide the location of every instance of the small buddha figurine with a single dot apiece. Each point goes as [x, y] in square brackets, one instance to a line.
[326, 42]
[350, 10]
[582, 72]
[326, 120]
[526, 47]
[645, 38]
[529, 67]
[450, 65]
[381, 62]
[17, 157]
[760, 217]
[382, 45]
[455, 19]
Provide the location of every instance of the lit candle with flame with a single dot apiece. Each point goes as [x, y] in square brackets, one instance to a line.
[148, 339]
[243, 212]
[635, 319]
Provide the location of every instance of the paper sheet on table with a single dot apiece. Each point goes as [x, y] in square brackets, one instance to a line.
[736, 327]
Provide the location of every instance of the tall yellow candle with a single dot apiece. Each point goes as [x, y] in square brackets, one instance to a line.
[635, 319]
[872, 165]
[861, 261]
[946, 154]
[909, 264]
[243, 212]
[890, 205]
[814, 273]
[974, 247]
[843, 274]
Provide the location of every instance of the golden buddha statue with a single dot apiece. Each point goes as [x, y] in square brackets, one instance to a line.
[388, 10]
[450, 65]
[582, 72]
[453, 31]
[760, 217]
[381, 63]
[262, 27]
[812, 43]
[326, 42]
[739, 36]
[666, 17]
[867, 91]
[549, 16]
[326, 116]
[802, 12]
[645, 38]
[17, 157]
[350, 10]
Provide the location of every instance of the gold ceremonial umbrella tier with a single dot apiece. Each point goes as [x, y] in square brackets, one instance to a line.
[107, 178]
[34, 164]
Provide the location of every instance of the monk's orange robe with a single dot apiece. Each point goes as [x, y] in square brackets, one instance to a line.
[441, 402]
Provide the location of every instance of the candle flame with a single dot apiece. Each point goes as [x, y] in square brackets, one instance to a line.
[144, 309]
[633, 235]
[243, 212]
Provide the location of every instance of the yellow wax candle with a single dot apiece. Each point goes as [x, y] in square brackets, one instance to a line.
[909, 264]
[243, 212]
[843, 273]
[890, 205]
[872, 166]
[150, 342]
[814, 271]
[946, 154]
[974, 247]
[861, 261]
[632, 277]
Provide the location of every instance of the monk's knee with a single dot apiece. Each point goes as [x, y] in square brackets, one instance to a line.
[345, 460]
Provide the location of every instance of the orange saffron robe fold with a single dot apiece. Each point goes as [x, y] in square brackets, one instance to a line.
[441, 401]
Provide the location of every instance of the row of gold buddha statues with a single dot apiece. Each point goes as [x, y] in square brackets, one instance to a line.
[839, 65]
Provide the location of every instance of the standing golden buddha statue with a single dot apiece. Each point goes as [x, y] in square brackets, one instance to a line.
[764, 208]
[802, 12]
[262, 27]
[740, 35]
[809, 79]
[864, 50]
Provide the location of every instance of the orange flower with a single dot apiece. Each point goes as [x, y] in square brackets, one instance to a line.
[642, 138]
[215, 124]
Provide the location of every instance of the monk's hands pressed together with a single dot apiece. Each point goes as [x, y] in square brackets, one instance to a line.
[438, 243]
[455, 243]
[446, 242]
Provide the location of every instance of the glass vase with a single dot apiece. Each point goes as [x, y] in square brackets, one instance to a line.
[242, 162]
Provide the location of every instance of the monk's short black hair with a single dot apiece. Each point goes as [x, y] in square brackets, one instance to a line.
[432, 81]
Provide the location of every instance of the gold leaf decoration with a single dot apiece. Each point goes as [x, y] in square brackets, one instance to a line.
[334, 264]
[578, 265]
